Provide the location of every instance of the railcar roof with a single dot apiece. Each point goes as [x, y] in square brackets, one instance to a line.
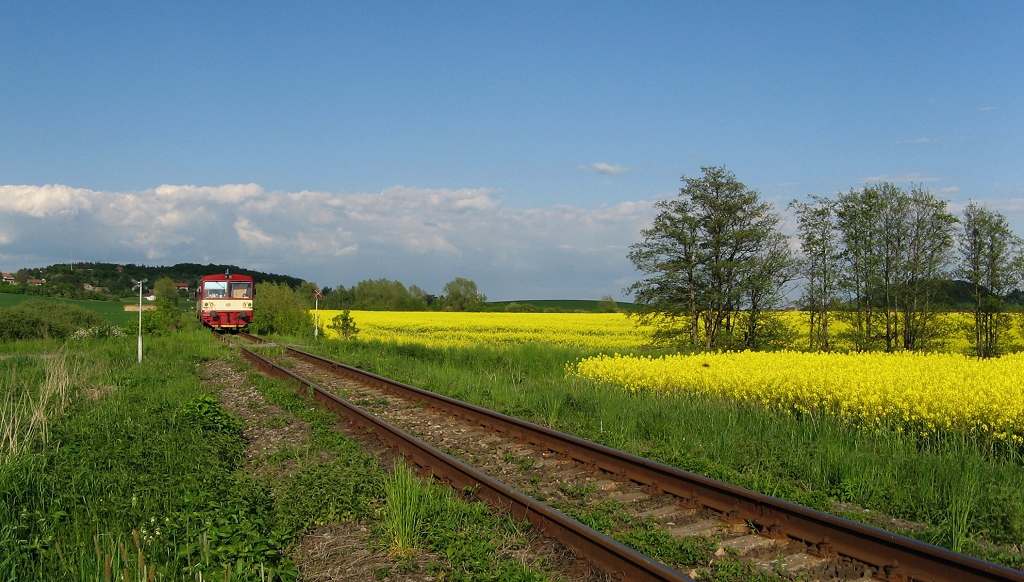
[223, 277]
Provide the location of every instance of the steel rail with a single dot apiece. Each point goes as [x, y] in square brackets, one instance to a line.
[892, 556]
[601, 550]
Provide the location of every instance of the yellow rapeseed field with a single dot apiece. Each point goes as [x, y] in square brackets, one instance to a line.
[923, 393]
[610, 331]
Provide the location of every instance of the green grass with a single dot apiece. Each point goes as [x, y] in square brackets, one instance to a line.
[965, 494]
[112, 311]
[410, 514]
[142, 479]
[140, 472]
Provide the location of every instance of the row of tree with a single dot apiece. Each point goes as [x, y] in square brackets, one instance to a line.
[716, 264]
[879, 255]
[460, 294]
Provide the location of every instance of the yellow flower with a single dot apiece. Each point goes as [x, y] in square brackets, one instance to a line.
[925, 393]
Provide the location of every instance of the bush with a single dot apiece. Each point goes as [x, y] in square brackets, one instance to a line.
[36, 319]
[344, 325]
[280, 309]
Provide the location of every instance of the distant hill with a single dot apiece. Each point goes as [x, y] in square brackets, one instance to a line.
[111, 281]
[957, 295]
[561, 305]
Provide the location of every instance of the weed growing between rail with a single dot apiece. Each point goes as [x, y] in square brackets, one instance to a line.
[951, 490]
[407, 514]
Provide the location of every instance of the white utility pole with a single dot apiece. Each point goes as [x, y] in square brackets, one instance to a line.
[140, 285]
[316, 319]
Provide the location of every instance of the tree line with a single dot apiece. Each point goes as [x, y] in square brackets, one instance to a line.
[104, 281]
[716, 267]
[460, 294]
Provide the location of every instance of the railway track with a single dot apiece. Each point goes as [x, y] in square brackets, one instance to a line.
[776, 535]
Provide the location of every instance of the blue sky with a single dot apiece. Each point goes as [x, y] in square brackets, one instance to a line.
[569, 116]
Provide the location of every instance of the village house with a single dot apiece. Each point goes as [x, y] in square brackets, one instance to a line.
[93, 288]
[37, 282]
[181, 287]
[8, 278]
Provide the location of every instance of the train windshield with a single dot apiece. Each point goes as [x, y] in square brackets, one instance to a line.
[215, 289]
[241, 290]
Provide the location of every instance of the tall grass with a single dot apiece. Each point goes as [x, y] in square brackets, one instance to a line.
[28, 407]
[404, 509]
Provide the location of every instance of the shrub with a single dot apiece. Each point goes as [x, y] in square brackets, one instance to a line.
[344, 325]
[36, 319]
[280, 309]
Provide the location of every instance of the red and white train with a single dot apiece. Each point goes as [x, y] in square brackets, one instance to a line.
[224, 302]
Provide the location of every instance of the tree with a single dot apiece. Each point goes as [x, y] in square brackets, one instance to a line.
[167, 316]
[307, 292]
[702, 260]
[336, 298]
[608, 304]
[925, 261]
[819, 265]
[990, 261]
[166, 291]
[344, 325]
[858, 219]
[893, 210]
[462, 294]
[385, 294]
[280, 309]
[773, 268]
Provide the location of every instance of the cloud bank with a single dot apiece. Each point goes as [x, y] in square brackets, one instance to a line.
[419, 235]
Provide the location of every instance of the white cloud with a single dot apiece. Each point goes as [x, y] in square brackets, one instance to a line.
[46, 200]
[226, 194]
[949, 190]
[986, 108]
[901, 178]
[251, 235]
[421, 235]
[607, 169]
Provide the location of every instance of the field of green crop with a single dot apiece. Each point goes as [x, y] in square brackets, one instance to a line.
[112, 311]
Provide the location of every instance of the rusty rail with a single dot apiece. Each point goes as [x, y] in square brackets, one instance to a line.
[601, 550]
[892, 556]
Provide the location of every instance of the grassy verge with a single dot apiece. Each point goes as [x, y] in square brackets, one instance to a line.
[137, 479]
[138, 473]
[948, 490]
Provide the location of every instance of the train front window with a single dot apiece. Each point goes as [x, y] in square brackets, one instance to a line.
[215, 289]
[241, 291]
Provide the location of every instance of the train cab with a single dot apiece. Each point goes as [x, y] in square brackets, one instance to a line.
[225, 301]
